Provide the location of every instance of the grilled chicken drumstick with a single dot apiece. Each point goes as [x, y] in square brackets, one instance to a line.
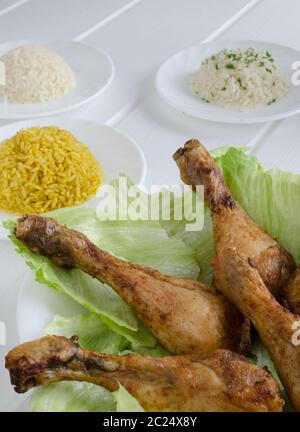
[221, 381]
[239, 280]
[232, 226]
[292, 292]
[186, 316]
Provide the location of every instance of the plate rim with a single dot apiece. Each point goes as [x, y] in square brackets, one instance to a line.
[227, 120]
[60, 121]
[54, 112]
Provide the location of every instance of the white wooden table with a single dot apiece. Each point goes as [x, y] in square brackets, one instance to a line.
[139, 35]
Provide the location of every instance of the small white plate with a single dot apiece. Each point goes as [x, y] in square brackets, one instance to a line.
[172, 83]
[93, 68]
[116, 152]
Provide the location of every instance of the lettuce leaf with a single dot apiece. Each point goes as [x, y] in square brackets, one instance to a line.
[90, 293]
[201, 242]
[71, 397]
[125, 402]
[263, 359]
[81, 397]
[133, 240]
[93, 334]
[270, 198]
[111, 326]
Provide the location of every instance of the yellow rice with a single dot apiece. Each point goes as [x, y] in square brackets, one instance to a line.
[46, 168]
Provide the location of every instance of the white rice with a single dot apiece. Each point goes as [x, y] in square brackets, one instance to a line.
[240, 78]
[35, 74]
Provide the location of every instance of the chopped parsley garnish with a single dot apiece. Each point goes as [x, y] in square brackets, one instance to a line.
[244, 64]
[240, 83]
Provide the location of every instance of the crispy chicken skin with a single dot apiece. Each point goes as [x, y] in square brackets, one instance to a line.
[232, 226]
[239, 280]
[220, 381]
[185, 316]
[292, 292]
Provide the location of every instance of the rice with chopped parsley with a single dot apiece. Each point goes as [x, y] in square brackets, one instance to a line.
[239, 78]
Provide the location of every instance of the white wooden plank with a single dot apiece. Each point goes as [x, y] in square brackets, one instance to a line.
[5, 3]
[159, 130]
[8, 5]
[107, 20]
[59, 19]
[144, 37]
[281, 146]
[276, 21]
[263, 23]
[139, 41]
[273, 21]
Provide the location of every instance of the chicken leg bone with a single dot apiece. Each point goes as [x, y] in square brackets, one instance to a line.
[240, 281]
[221, 381]
[231, 225]
[185, 316]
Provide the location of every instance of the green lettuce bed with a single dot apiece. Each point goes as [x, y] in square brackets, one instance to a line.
[271, 197]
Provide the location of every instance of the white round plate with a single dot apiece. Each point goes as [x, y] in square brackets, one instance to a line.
[116, 152]
[93, 68]
[172, 83]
